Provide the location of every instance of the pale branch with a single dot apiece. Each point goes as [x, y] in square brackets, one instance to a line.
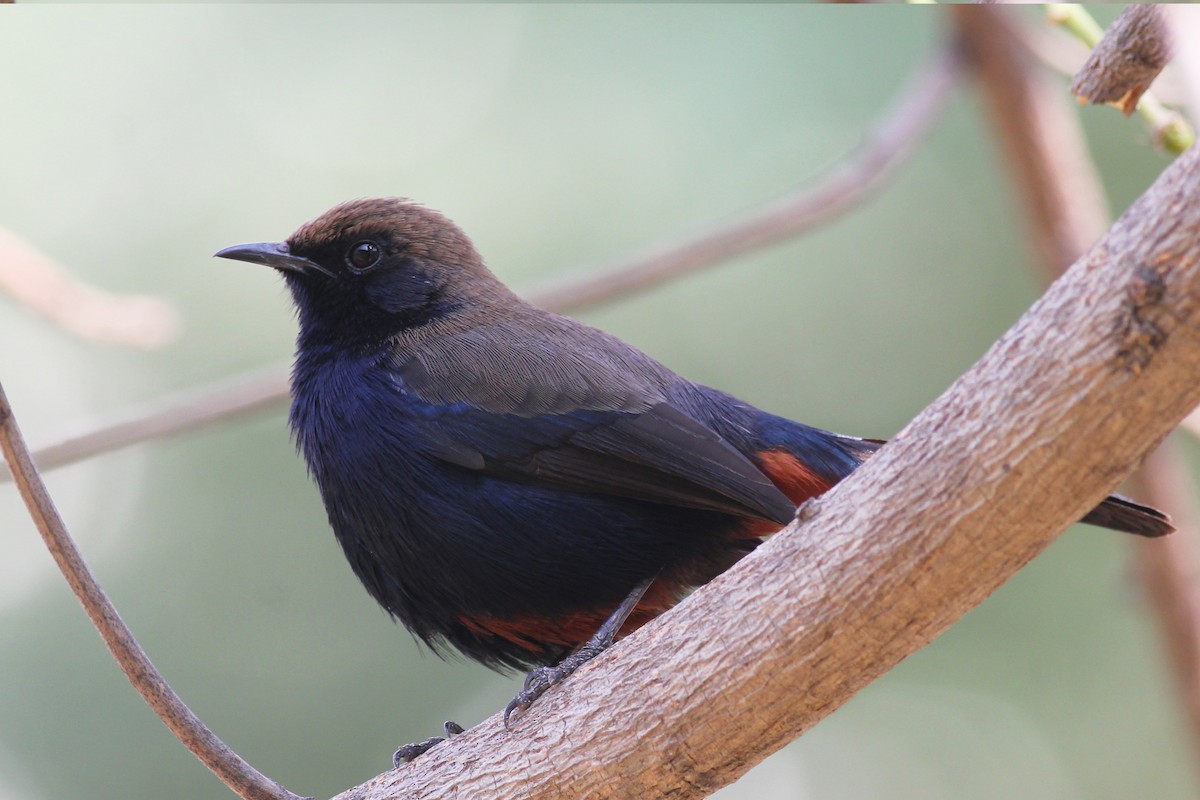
[1039, 135]
[243, 394]
[240, 776]
[1128, 58]
[1168, 573]
[1052, 417]
[1048, 154]
[908, 117]
[35, 281]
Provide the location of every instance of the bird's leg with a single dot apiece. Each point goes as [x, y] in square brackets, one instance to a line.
[410, 751]
[542, 678]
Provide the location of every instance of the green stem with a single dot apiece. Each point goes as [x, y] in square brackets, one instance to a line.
[1171, 131]
[1076, 19]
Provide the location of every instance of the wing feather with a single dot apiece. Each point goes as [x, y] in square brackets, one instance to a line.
[660, 455]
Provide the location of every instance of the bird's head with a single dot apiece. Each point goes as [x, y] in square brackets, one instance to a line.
[370, 269]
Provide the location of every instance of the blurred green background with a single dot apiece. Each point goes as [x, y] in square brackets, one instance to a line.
[139, 140]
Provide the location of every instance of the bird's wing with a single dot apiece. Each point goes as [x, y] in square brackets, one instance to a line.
[660, 455]
[539, 398]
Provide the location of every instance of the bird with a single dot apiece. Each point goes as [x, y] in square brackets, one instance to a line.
[511, 483]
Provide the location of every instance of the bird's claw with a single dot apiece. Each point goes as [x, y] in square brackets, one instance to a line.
[540, 679]
[536, 683]
[409, 752]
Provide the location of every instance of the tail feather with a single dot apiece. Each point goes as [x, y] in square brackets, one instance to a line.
[1122, 514]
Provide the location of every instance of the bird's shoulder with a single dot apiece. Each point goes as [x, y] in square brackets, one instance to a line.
[529, 362]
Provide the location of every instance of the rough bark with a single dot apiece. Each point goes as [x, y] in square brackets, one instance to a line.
[1052, 417]
[1135, 48]
[1022, 107]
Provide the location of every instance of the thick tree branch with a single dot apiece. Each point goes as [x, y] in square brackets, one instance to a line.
[1023, 104]
[244, 779]
[1052, 417]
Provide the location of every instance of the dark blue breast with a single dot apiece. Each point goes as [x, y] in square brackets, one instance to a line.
[432, 540]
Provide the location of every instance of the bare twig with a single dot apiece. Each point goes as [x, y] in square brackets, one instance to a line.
[1049, 154]
[35, 281]
[187, 727]
[1051, 418]
[908, 117]
[244, 394]
[1126, 61]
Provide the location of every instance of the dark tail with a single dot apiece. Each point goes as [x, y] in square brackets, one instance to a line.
[1122, 514]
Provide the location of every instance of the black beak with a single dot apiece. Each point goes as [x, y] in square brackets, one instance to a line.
[273, 254]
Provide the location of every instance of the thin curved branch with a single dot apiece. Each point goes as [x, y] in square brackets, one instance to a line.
[909, 117]
[240, 776]
[1052, 417]
[253, 391]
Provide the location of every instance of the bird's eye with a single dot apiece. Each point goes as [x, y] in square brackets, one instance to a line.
[363, 256]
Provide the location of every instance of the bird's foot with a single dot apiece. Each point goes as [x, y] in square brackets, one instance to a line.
[540, 679]
[411, 751]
